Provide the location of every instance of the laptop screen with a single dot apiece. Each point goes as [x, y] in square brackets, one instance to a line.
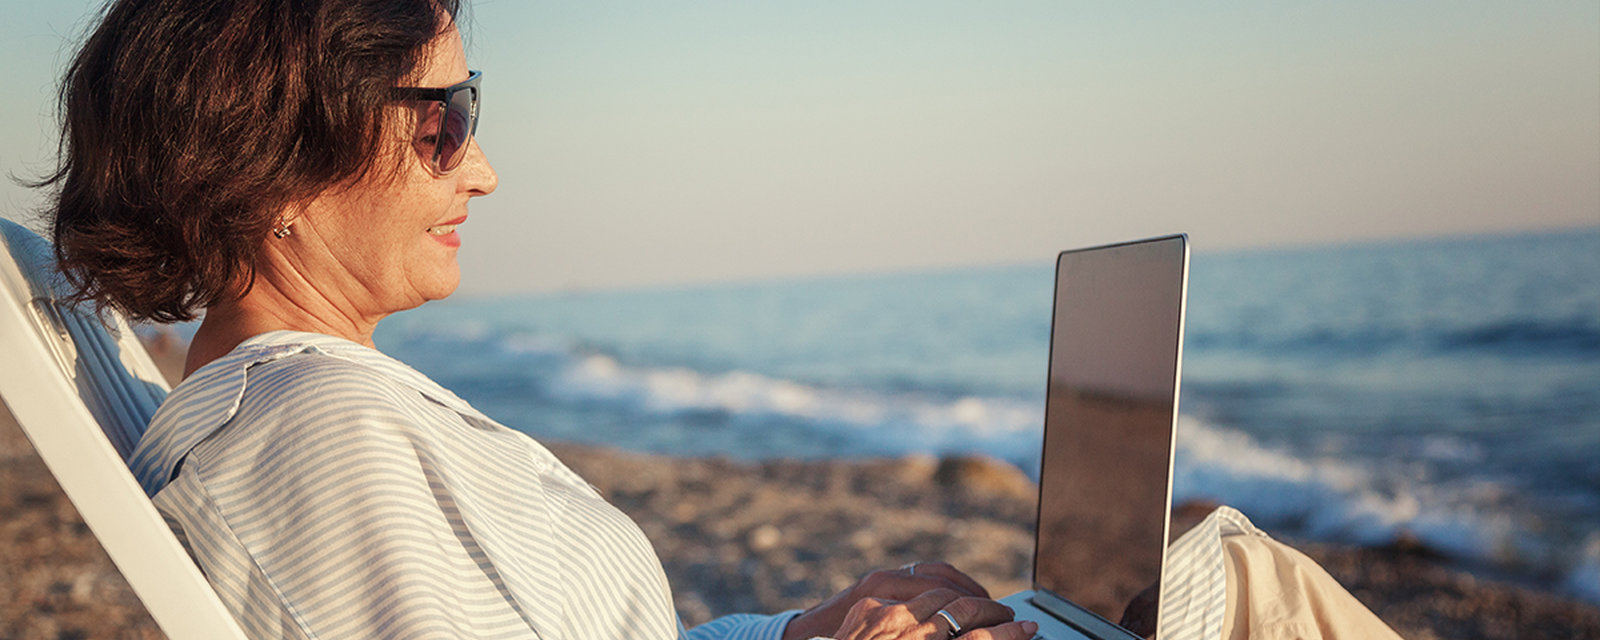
[1106, 473]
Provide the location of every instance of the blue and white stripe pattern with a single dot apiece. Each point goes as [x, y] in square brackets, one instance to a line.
[329, 491]
[1194, 582]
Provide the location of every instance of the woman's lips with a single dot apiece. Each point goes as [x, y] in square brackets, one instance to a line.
[446, 233]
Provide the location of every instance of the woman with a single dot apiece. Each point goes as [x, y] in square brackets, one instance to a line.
[298, 171]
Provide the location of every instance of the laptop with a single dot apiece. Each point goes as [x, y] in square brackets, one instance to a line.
[1105, 475]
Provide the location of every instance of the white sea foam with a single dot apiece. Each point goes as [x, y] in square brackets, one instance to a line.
[1584, 579]
[1339, 499]
[1343, 500]
[886, 423]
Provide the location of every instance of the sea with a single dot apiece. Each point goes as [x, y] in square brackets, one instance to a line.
[1445, 391]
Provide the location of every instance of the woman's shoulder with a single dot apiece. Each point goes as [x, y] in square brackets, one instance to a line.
[302, 406]
[298, 364]
[317, 375]
[292, 372]
[324, 393]
[282, 390]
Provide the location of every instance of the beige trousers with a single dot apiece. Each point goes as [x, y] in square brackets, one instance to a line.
[1276, 592]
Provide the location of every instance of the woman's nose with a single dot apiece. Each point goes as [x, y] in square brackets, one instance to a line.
[477, 175]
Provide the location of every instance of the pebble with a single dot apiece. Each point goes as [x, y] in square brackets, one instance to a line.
[764, 538]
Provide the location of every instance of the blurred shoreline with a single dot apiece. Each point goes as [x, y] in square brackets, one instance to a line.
[765, 537]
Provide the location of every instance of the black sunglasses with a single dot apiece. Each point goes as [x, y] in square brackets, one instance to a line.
[447, 125]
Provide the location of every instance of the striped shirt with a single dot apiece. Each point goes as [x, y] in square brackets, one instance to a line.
[330, 491]
[1194, 583]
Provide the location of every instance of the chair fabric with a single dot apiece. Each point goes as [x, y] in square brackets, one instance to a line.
[114, 376]
[83, 389]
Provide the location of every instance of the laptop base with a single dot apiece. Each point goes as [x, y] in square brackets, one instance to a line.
[1050, 627]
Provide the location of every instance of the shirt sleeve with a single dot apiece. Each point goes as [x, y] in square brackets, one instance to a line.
[744, 627]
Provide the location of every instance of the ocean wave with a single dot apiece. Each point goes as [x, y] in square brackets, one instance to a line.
[1526, 335]
[881, 421]
[1334, 499]
[1579, 337]
[1328, 498]
[887, 423]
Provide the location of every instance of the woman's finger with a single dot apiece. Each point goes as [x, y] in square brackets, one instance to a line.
[963, 582]
[903, 584]
[923, 606]
[971, 613]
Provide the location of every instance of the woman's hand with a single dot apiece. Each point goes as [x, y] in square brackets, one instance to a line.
[889, 586]
[936, 615]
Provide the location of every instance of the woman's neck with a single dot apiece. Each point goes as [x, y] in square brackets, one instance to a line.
[228, 325]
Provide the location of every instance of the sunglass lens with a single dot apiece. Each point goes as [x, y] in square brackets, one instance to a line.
[456, 129]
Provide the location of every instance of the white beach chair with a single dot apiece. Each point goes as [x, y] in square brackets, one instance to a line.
[83, 389]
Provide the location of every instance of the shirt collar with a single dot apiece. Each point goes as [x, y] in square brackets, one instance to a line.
[210, 397]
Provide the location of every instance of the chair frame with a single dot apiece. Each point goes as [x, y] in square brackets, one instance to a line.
[36, 384]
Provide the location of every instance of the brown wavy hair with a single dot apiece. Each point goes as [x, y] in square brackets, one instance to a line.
[189, 126]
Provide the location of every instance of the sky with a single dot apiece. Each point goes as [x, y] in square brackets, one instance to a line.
[650, 143]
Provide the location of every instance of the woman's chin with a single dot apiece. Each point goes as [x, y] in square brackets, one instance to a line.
[441, 283]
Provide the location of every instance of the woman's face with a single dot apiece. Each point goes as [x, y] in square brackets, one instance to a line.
[388, 242]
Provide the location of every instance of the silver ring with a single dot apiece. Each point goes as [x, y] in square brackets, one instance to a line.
[955, 629]
[911, 568]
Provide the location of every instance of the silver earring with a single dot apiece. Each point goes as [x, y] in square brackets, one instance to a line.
[282, 230]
